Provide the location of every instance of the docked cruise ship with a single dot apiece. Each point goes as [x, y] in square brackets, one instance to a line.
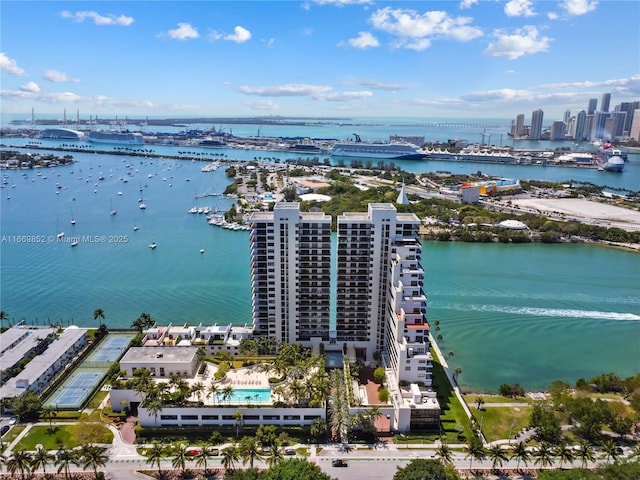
[115, 137]
[381, 150]
[609, 158]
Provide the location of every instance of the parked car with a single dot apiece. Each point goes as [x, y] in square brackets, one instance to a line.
[289, 451]
[339, 463]
[4, 429]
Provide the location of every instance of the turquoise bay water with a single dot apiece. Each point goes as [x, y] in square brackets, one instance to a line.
[529, 314]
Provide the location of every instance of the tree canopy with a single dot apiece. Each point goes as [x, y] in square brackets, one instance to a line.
[426, 470]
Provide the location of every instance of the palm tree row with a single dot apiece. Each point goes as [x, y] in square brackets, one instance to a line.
[544, 455]
[89, 457]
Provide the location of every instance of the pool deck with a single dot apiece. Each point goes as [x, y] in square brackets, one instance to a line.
[238, 378]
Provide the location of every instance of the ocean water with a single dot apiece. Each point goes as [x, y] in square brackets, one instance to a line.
[527, 314]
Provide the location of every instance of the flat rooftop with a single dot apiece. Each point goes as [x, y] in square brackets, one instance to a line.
[159, 354]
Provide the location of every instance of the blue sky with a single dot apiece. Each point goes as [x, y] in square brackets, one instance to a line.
[332, 58]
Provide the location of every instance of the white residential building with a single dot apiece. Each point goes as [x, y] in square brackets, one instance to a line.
[290, 274]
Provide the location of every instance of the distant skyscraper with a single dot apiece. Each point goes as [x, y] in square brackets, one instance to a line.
[593, 104]
[629, 108]
[604, 103]
[634, 132]
[519, 125]
[557, 130]
[567, 116]
[597, 128]
[536, 124]
[621, 120]
[581, 118]
[588, 131]
[610, 127]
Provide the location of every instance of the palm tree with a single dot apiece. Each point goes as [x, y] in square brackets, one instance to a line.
[198, 389]
[443, 452]
[230, 456]
[564, 453]
[497, 455]
[475, 450]
[94, 456]
[3, 316]
[41, 459]
[180, 458]
[227, 393]
[64, 459]
[238, 422]
[49, 412]
[98, 314]
[275, 455]
[479, 402]
[213, 391]
[20, 461]
[154, 407]
[520, 453]
[249, 450]
[586, 453]
[318, 428]
[544, 455]
[610, 449]
[202, 456]
[155, 454]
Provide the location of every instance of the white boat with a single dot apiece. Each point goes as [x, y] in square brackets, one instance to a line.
[379, 150]
[74, 243]
[73, 220]
[142, 206]
[153, 245]
[112, 212]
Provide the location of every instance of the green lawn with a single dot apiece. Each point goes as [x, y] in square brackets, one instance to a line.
[497, 421]
[473, 398]
[53, 440]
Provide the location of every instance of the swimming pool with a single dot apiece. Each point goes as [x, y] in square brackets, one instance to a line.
[248, 395]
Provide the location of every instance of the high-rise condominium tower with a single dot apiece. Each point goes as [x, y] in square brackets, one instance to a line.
[290, 274]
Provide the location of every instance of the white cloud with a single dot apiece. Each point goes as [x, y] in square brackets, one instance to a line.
[9, 65]
[363, 40]
[342, 3]
[120, 20]
[316, 92]
[57, 76]
[552, 15]
[288, 90]
[519, 8]
[263, 105]
[375, 85]
[239, 35]
[67, 98]
[524, 41]
[579, 7]
[631, 84]
[464, 4]
[269, 42]
[30, 87]
[415, 31]
[184, 32]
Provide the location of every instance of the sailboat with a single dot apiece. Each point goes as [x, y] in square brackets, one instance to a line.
[112, 212]
[73, 220]
[135, 226]
[59, 234]
[142, 206]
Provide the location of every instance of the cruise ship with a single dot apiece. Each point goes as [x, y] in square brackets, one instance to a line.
[115, 137]
[609, 158]
[381, 150]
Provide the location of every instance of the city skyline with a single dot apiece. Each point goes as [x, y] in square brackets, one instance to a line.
[335, 58]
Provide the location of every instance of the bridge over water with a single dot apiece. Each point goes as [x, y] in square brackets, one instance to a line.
[450, 125]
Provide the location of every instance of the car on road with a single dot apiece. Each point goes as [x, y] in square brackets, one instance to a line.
[339, 463]
[4, 429]
[289, 451]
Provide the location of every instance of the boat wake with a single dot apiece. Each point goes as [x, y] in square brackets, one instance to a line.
[550, 312]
